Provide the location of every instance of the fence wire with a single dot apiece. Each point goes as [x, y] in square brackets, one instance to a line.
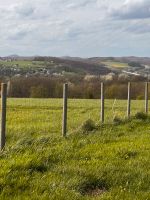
[40, 117]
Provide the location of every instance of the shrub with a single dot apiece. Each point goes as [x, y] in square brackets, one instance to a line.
[38, 92]
[117, 120]
[141, 115]
[140, 97]
[88, 126]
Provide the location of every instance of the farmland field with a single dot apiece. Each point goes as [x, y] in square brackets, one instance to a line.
[47, 113]
[23, 64]
[116, 64]
[111, 162]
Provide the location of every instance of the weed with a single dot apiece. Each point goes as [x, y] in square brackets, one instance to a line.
[88, 126]
[117, 120]
[93, 187]
[141, 116]
[125, 154]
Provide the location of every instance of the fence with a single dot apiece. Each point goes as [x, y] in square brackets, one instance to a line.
[59, 117]
[3, 114]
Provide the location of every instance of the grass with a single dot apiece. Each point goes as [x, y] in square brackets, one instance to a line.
[110, 162]
[116, 64]
[37, 64]
[21, 64]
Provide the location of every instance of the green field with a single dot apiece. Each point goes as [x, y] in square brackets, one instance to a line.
[116, 64]
[111, 162]
[22, 64]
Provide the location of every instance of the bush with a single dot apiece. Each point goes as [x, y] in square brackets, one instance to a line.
[39, 92]
[117, 120]
[88, 126]
[141, 115]
[140, 97]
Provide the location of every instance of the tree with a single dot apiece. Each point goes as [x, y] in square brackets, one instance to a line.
[39, 92]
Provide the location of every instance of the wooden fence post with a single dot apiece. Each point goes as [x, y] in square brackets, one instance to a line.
[3, 114]
[65, 101]
[102, 102]
[146, 97]
[129, 101]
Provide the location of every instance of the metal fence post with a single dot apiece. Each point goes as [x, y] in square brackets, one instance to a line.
[146, 97]
[65, 101]
[3, 114]
[129, 101]
[102, 102]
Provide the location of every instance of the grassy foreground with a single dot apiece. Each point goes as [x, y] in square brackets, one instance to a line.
[111, 162]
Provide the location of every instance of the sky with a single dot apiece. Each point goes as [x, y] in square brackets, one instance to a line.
[84, 28]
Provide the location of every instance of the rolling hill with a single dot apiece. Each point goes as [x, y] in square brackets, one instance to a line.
[37, 65]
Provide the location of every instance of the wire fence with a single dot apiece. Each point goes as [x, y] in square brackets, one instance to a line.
[29, 117]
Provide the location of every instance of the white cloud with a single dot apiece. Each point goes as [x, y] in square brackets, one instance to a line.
[77, 28]
[132, 9]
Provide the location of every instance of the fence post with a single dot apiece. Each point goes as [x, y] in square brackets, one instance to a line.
[146, 97]
[129, 101]
[65, 99]
[102, 102]
[3, 114]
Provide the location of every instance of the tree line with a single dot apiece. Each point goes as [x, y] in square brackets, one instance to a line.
[51, 87]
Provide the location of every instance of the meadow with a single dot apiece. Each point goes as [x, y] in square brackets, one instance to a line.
[21, 64]
[110, 162]
[117, 65]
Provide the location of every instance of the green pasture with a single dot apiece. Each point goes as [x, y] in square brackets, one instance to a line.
[116, 64]
[22, 64]
[46, 114]
[109, 163]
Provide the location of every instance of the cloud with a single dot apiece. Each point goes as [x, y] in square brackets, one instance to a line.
[18, 36]
[80, 4]
[132, 9]
[24, 10]
[77, 28]
[141, 27]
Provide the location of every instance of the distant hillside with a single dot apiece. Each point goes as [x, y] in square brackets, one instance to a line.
[60, 66]
[141, 60]
[47, 66]
[76, 65]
